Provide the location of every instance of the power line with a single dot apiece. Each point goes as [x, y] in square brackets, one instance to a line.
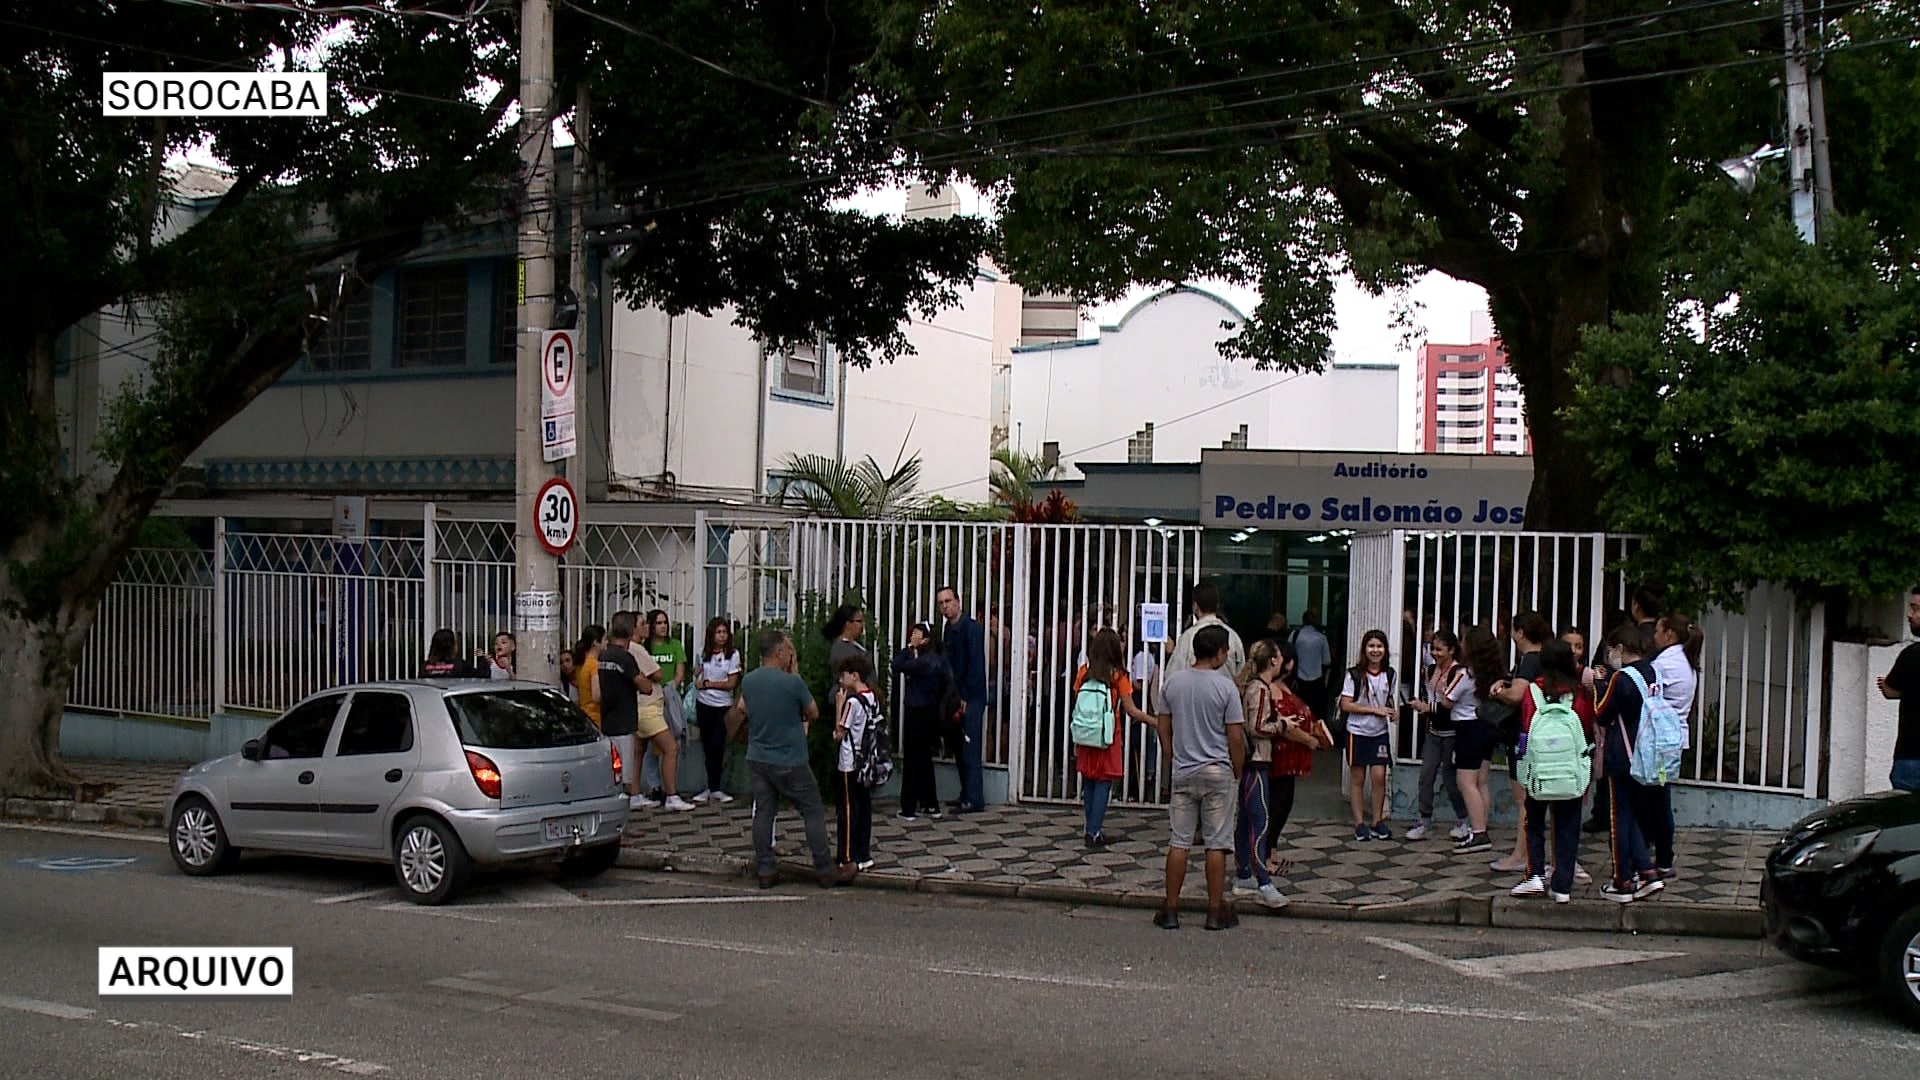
[712, 65]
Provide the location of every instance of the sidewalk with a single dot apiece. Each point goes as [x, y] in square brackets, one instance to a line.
[1036, 852]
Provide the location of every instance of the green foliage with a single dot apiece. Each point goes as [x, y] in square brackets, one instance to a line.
[821, 485]
[1766, 425]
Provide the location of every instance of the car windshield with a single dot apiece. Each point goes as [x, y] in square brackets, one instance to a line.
[519, 719]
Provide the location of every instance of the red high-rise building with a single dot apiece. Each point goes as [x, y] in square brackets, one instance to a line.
[1468, 402]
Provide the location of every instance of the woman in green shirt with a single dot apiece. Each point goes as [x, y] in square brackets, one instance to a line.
[667, 650]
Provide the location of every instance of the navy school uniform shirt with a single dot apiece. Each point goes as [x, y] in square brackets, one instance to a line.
[1620, 708]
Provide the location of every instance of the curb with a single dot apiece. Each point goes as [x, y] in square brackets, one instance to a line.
[1677, 918]
[79, 813]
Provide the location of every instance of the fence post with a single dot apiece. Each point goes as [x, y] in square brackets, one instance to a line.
[1810, 772]
[217, 701]
[1019, 616]
[429, 593]
[1597, 629]
[698, 553]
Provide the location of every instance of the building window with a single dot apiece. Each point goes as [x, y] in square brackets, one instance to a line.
[347, 344]
[433, 316]
[506, 311]
[803, 369]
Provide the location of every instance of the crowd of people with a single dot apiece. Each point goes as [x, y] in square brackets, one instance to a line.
[1239, 727]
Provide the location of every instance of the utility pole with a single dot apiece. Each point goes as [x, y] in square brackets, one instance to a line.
[1803, 134]
[536, 570]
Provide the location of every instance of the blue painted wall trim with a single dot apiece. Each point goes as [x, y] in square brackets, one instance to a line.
[85, 736]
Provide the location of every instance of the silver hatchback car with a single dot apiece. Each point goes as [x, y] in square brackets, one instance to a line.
[435, 776]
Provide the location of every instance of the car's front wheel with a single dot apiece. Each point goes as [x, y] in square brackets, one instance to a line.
[197, 839]
[429, 861]
[1899, 966]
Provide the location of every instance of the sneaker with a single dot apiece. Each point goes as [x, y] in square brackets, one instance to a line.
[904, 816]
[1666, 873]
[641, 802]
[864, 865]
[675, 802]
[1532, 886]
[1561, 898]
[1272, 897]
[1580, 875]
[1648, 887]
[1362, 834]
[935, 813]
[720, 797]
[1475, 842]
[1245, 885]
[1417, 831]
[1616, 894]
[705, 794]
[1381, 832]
[1460, 831]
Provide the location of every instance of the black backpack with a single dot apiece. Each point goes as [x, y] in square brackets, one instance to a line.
[873, 758]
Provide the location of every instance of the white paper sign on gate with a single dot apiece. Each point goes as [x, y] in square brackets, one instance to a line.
[1153, 622]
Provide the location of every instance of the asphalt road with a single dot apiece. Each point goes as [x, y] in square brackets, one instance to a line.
[643, 975]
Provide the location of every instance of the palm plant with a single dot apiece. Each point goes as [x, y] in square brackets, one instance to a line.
[1014, 475]
[863, 489]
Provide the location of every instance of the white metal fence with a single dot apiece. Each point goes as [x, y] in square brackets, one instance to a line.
[1756, 720]
[150, 651]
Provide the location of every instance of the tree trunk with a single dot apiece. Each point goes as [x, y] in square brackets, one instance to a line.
[1540, 326]
[36, 667]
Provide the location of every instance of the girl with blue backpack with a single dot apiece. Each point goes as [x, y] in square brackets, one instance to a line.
[1620, 711]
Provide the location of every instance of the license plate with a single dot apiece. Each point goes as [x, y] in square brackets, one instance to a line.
[577, 828]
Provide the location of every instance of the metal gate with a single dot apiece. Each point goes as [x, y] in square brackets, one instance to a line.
[1038, 591]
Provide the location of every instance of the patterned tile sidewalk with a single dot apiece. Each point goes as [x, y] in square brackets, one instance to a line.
[1037, 852]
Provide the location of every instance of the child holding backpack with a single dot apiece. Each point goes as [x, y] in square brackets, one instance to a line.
[1622, 713]
[1554, 764]
[864, 762]
[1102, 693]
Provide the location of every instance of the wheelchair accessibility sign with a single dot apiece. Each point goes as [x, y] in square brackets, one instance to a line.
[79, 864]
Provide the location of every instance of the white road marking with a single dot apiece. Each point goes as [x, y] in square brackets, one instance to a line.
[251, 890]
[1768, 980]
[60, 1011]
[528, 893]
[402, 905]
[722, 946]
[1414, 1008]
[1409, 949]
[1554, 960]
[45, 1008]
[570, 997]
[1049, 980]
[662, 901]
[67, 830]
[363, 894]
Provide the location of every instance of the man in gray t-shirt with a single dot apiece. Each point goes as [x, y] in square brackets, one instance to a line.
[1201, 717]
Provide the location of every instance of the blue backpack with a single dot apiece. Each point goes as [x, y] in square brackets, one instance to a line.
[1655, 757]
[1092, 724]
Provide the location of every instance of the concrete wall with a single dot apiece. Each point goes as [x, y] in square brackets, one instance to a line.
[1864, 724]
[127, 738]
[1160, 363]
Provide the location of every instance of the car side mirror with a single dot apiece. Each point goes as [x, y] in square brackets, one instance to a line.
[251, 750]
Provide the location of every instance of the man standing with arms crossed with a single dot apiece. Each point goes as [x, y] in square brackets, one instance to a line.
[1902, 684]
[1203, 722]
[965, 648]
[778, 707]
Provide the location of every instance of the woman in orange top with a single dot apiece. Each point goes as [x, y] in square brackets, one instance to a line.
[1099, 768]
[586, 670]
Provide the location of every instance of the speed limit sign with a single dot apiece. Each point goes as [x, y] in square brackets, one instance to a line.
[556, 515]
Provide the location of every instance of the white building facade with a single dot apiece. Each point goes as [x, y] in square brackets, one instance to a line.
[1154, 388]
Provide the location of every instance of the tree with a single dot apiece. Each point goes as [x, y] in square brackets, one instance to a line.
[863, 490]
[1528, 146]
[413, 140]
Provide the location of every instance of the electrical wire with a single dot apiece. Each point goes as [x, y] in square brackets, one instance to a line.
[713, 65]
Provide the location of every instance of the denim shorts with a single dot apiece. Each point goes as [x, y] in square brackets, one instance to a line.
[1906, 774]
[1203, 803]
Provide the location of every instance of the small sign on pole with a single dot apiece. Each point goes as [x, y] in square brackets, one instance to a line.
[1153, 622]
[557, 362]
[536, 612]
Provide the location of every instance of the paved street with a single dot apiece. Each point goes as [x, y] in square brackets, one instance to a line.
[641, 975]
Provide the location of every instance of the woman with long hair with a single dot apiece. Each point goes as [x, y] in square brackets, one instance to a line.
[716, 677]
[1366, 698]
[1264, 724]
[1446, 685]
[586, 670]
[1475, 735]
[1292, 754]
[1558, 681]
[443, 658]
[1101, 767]
[925, 670]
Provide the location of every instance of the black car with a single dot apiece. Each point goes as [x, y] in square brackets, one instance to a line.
[1843, 889]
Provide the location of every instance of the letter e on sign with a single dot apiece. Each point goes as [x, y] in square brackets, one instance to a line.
[556, 363]
[556, 516]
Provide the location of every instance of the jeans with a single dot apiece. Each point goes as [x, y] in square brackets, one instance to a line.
[1096, 794]
[713, 741]
[1251, 845]
[918, 789]
[796, 783]
[1566, 814]
[1905, 775]
[972, 761]
[853, 813]
[1436, 763]
[1629, 847]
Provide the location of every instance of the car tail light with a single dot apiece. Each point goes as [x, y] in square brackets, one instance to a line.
[485, 773]
[618, 765]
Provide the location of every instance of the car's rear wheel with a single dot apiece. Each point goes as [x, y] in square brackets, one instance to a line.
[590, 862]
[1899, 966]
[197, 839]
[429, 861]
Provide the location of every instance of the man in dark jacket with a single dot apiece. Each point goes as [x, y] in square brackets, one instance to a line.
[965, 647]
[1620, 709]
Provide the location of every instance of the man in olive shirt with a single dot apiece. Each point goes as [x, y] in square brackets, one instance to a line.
[778, 707]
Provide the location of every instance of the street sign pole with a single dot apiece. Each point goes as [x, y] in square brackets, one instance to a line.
[536, 568]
